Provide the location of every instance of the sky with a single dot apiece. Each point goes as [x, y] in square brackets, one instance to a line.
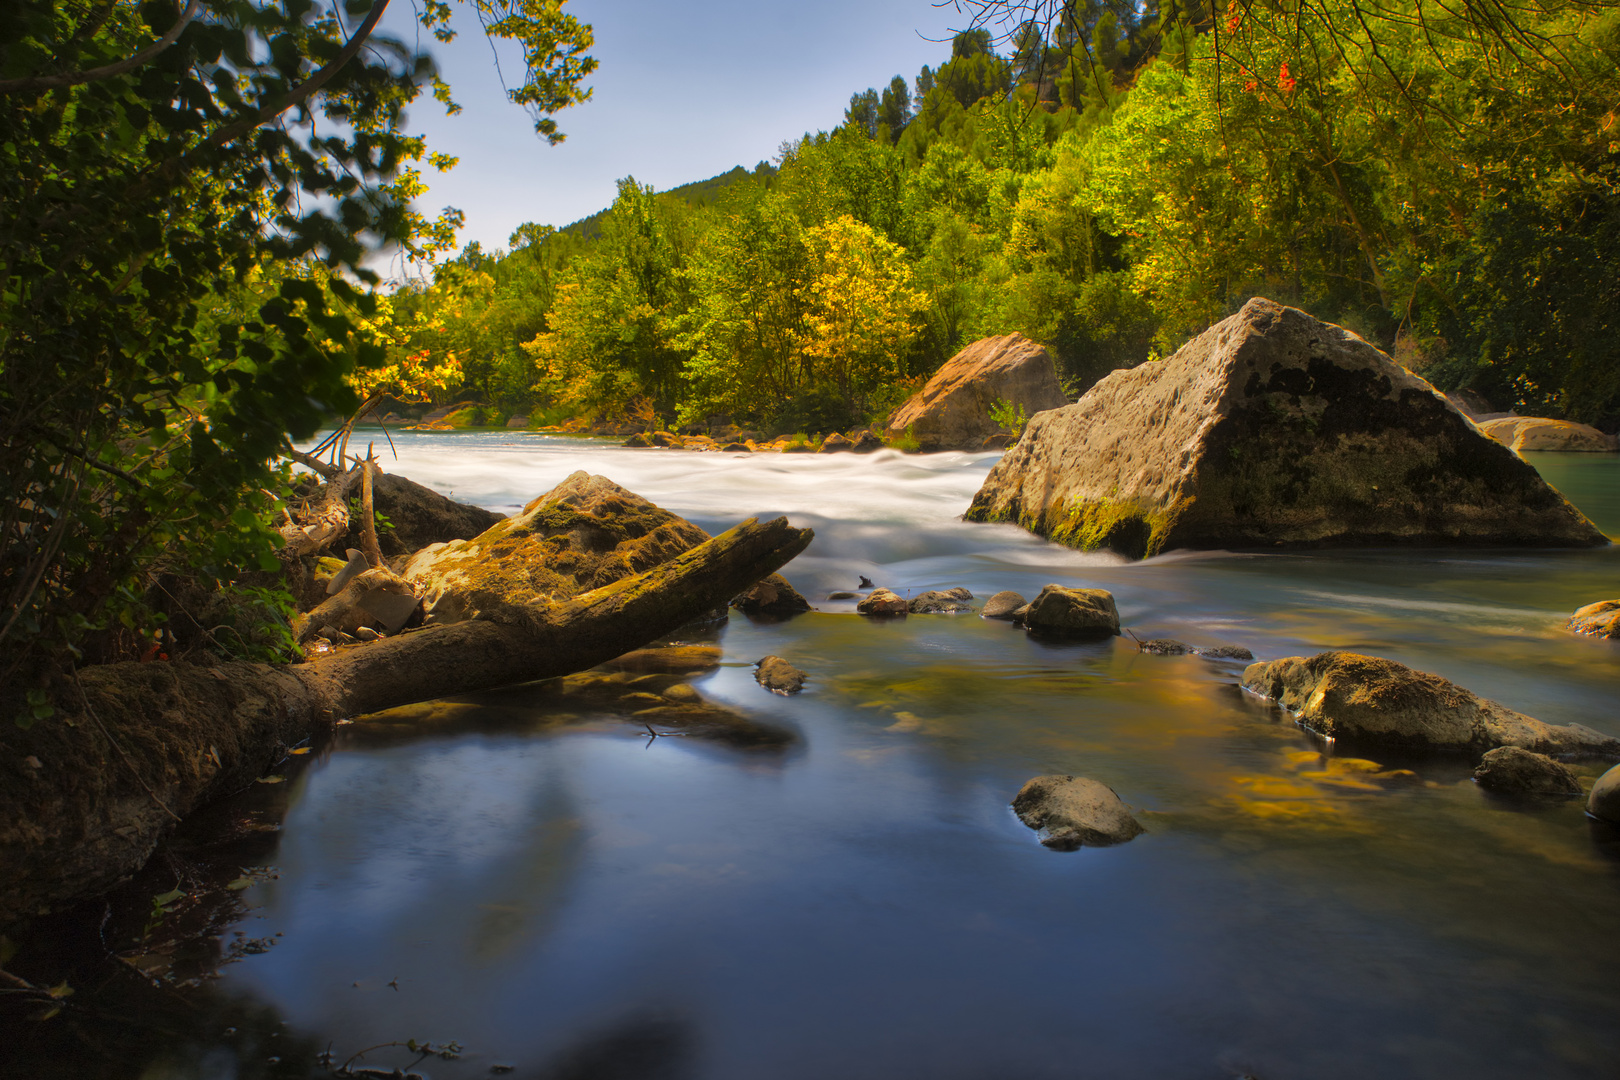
[682, 92]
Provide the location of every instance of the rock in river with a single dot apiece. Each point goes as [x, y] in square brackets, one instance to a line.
[882, 602]
[1072, 811]
[940, 602]
[1002, 605]
[1270, 428]
[778, 676]
[773, 596]
[1601, 619]
[1078, 612]
[1344, 695]
[1604, 802]
[1512, 770]
[952, 412]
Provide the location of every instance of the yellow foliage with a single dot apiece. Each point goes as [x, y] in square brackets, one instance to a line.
[860, 303]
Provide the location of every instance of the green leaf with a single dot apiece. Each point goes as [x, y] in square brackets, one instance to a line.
[239, 884]
[167, 898]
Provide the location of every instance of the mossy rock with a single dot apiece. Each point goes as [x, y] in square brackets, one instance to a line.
[585, 533]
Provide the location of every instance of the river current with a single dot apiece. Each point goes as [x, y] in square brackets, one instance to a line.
[564, 895]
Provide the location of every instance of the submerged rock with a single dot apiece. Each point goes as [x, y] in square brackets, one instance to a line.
[940, 602]
[1540, 433]
[882, 602]
[1002, 605]
[1350, 696]
[1513, 770]
[1604, 802]
[585, 533]
[1164, 647]
[1270, 428]
[1073, 811]
[842, 595]
[670, 660]
[778, 676]
[1601, 619]
[773, 596]
[952, 412]
[1079, 612]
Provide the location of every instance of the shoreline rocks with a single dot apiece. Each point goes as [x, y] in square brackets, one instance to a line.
[1072, 811]
[952, 411]
[1270, 429]
[1344, 695]
[1604, 801]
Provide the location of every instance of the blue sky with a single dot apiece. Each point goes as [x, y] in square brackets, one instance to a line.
[683, 92]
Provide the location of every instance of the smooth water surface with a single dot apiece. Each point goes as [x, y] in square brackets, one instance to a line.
[558, 892]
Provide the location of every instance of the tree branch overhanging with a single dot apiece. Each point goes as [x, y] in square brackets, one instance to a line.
[106, 71]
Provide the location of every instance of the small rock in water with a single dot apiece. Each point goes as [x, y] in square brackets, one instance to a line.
[639, 441]
[1076, 612]
[778, 676]
[866, 442]
[773, 596]
[1604, 802]
[882, 602]
[683, 694]
[1225, 652]
[1072, 811]
[866, 582]
[1002, 605]
[737, 448]
[1601, 619]
[835, 442]
[1511, 769]
[1164, 647]
[366, 633]
[940, 602]
[842, 596]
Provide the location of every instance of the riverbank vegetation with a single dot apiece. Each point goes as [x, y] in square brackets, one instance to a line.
[1108, 179]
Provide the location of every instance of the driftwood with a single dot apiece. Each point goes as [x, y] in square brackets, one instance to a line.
[85, 798]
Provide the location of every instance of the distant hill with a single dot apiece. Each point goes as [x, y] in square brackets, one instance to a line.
[698, 193]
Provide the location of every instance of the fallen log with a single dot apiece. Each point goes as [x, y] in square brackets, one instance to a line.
[86, 796]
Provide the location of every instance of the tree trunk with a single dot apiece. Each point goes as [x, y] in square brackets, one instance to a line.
[85, 796]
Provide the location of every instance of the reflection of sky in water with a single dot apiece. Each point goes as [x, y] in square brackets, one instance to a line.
[865, 904]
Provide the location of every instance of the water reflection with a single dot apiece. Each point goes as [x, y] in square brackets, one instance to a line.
[523, 873]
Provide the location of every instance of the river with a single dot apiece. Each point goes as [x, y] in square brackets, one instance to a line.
[566, 896]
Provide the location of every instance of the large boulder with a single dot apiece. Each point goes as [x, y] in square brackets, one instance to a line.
[1344, 695]
[1071, 811]
[584, 533]
[952, 412]
[1270, 428]
[1539, 433]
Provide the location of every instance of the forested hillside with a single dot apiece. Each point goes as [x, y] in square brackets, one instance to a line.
[1106, 182]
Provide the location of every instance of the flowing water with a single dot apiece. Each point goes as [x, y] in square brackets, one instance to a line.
[555, 891]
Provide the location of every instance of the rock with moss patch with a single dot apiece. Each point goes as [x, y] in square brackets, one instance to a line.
[834, 443]
[1060, 610]
[1071, 811]
[773, 596]
[1270, 429]
[585, 533]
[1368, 699]
[1514, 770]
[639, 441]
